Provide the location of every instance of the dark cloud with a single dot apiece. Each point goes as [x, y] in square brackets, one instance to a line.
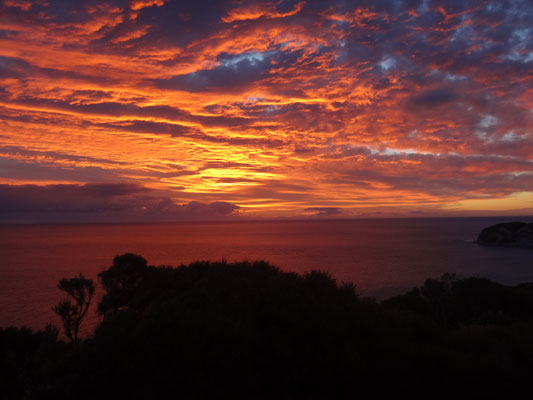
[117, 202]
[142, 126]
[324, 211]
[12, 67]
[14, 151]
[433, 98]
[36, 169]
[65, 198]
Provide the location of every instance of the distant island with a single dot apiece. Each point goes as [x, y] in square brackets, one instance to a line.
[249, 330]
[510, 234]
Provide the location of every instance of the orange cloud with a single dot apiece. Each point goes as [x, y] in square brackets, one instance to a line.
[278, 108]
[260, 10]
[140, 4]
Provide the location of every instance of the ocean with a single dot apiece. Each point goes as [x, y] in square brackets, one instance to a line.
[382, 257]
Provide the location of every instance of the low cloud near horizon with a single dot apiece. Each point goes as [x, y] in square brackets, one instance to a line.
[324, 211]
[119, 202]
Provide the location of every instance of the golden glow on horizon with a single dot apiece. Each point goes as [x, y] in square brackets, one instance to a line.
[518, 201]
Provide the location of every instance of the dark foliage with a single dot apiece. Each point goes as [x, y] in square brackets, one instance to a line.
[79, 290]
[249, 330]
[30, 361]
[121, 281]
[454, 303]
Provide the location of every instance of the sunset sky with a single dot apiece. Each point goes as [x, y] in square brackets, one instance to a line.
[167, 110]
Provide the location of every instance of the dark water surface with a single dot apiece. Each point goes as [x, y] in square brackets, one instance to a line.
[382, 257]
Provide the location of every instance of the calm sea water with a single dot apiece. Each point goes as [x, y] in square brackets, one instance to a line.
[382, 257]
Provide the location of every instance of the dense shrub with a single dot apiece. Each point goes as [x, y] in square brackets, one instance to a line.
[250, 330]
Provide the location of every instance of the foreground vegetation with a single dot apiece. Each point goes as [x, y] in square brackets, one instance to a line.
[249, 330]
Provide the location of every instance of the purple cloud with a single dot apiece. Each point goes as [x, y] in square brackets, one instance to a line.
[118, 202]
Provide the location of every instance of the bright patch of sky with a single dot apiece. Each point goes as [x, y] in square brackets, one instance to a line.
[453, 77]
[488, 121]
[387, 63]
[253, 58]
[513, 137]
[389, 152]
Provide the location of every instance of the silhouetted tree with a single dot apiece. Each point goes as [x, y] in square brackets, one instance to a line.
[120, 281]
[81, 291]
